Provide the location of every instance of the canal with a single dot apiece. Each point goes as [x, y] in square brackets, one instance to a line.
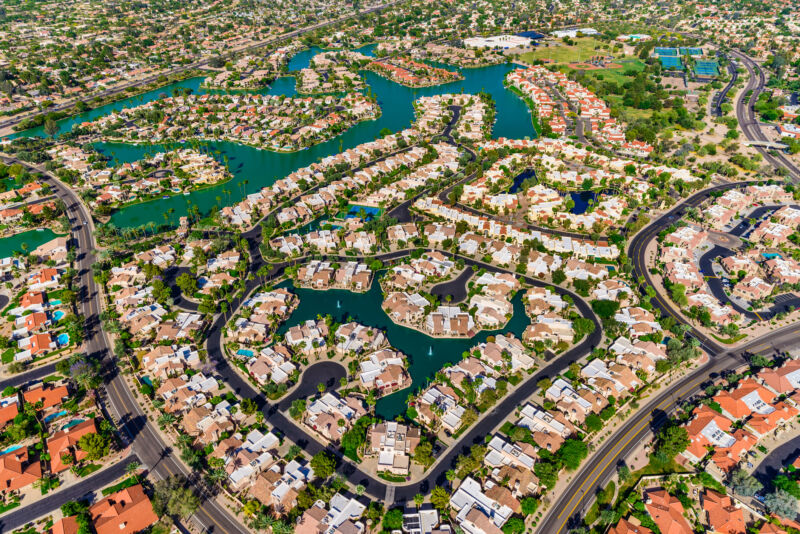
[253, 168]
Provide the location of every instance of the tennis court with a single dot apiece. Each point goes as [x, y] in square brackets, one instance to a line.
[661, 52]
[706, 68]
[671, 62]
[691, 51]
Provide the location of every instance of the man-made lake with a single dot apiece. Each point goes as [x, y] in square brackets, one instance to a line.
[426, 355]
[25, 241]
[260, 168]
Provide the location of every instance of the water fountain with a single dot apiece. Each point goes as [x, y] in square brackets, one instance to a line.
[430, 351]
[338, 305]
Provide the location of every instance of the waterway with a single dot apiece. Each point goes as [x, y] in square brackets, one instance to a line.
[25, 241]
[254, 169]
[426, 355]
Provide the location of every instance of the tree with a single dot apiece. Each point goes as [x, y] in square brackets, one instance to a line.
[605, 309]
[559, 276]
[249, 406]
[187, 284]
[593, 422]
[94, 445]
[672, 440]
[782, 503]
[393, 519]
[323, 464]
[745, 484]
[572, 453]
[174, 497]
[514, 525]
[440, 499]
[419, 499]
[788, 485]
[50, 127]
[529, 505]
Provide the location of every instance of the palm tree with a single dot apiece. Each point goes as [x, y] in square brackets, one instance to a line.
[132, 469]
[419, 499]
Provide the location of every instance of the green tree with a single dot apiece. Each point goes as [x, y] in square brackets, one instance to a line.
[529, 505]
[393, 519]
[559, 276]
[572, 453]
[94, 445]
[440, 499]
[324, 464]
[782, 503]
[745, 484]
[605, 309]
[672, 440]
[174, 497]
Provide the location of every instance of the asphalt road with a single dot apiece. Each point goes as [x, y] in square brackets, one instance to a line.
[784, 303]
[48, 504]
[455, 288]
[568, 510]
[145, 441]
[375, 487]
[749, 122]
[771, 466]
[720, 98]
[120, 90]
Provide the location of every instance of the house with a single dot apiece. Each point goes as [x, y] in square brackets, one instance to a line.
[48, 395]
[393, 443]
[471, 502]
[625, 526]
[722, 514]
[341, 517]
[17, 470]
[324, 415]
[125, 512]
[666, 512]
[65, 443]
[783, 380]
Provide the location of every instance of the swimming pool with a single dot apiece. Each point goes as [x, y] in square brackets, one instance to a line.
[245, 352]
[54, 416]
[63, 339]
[55, 303]
[11, 449]
[58, 315]
[73, 423]
[146, 380]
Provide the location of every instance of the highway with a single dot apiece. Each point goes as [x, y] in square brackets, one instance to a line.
[749, 122]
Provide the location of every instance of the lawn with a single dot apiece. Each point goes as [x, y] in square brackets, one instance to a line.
[87, 469]
[583, 49]
[127, 483]
[618, 76]
[8, 355]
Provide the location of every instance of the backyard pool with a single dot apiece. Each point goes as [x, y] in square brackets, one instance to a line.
[63, 339]
[73, 423]
[55, 302]
[10, 449]
[55, 416]
[245, 352]
[58, 315]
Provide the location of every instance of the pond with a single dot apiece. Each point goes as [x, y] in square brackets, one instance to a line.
[581, 200]
[25, 241]
[426, 355]
[253, 168]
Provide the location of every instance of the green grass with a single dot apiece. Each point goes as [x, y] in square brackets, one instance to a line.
[127, 483]
[6, 507]
[730, 340]
[87, 469]
[583, 50]
[8, 355]
[392, 478]
[617, 76]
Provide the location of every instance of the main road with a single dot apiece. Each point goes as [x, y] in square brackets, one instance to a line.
[146, 442]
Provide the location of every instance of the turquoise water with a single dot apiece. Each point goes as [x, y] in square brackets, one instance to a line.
[58, 315]
[55, 303]
[55, 416]
[260, 168]
[426, 354]
[31, 239]
[146, 380]
[245, 352]
[72, 423]
[10, 449]
[63, 339]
